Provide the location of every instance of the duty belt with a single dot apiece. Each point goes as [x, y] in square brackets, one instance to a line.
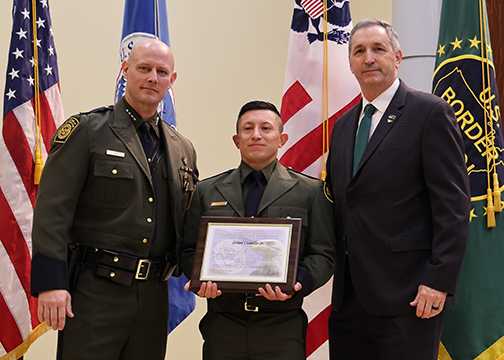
[122, 268]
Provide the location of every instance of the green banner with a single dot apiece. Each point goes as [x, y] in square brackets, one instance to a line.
[465, 78]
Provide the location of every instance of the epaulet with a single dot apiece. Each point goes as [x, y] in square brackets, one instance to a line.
[300, 173]
[216, 175]
[97, 110]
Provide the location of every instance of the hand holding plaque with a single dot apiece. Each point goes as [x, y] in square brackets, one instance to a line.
[243, 254]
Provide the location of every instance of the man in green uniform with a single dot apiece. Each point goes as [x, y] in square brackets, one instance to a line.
[271, 325]
[108, 216]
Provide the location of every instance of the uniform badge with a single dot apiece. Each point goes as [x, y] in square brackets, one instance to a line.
[66, 130]
[219, 203]
[391, 118]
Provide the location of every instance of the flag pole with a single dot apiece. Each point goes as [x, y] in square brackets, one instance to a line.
[39, 162]
[325, 97]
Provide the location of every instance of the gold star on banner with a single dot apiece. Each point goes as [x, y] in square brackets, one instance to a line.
[441, 50]
[472, 215]
[456, 43]
[489, 49]
[474, 42]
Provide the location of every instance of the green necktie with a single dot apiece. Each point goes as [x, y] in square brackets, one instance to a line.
[362, 135]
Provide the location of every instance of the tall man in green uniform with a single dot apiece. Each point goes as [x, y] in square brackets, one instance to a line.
[111, 197]
[231, 329]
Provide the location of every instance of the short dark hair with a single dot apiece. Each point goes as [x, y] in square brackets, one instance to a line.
[393, 38]
[260, 105]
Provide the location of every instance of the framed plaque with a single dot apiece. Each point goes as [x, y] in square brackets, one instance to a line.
[243, 254]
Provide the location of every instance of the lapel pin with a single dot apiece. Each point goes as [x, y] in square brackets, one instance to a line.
[391, 118]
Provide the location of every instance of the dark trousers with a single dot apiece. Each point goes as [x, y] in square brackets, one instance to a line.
[254, 336]
[113, 321]
[357, 335]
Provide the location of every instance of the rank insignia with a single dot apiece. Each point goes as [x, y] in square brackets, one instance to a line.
[66, 130]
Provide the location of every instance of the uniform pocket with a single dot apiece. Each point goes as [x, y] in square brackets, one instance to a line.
[113, 183]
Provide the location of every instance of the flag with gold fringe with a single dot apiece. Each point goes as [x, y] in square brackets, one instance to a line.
[318, 88]
[465, 77]
[31, 114]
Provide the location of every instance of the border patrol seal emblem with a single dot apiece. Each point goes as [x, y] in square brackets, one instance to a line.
[66, 130]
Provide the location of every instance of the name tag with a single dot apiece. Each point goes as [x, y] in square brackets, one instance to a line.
[115, 153]
[219, 203]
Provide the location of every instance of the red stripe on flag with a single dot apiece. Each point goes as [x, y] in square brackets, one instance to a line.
[18, 253]
[314, 8]
[317, 331]
[294, 99]
[10, 336]
[48, 127]
[20, 151]
[302, 154]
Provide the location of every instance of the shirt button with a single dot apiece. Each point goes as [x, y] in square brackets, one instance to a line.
[112, 274]
[149, 220]
[151, 199]
[145, 240]
[114, 171]
[116, 259]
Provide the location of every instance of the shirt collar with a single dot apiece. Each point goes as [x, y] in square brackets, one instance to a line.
[383, 100]
[246, 169]
[137, 119]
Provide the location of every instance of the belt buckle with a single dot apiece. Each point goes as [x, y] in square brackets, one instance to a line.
[250, 307]
[143, 269]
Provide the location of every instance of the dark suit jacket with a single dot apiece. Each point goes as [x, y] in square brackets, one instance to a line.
[287, 194]
[403, 218]
[95, 190]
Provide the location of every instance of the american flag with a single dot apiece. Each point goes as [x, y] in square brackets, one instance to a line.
[317, 92]
[20, 137]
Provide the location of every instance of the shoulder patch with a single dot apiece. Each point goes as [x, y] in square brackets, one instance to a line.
[66, 130]
[327, 193]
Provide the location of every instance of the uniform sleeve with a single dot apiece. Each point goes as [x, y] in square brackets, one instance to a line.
[319, 250]
[63, 177]
[191, 224]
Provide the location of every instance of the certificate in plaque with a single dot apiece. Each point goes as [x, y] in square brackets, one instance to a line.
[243, 254]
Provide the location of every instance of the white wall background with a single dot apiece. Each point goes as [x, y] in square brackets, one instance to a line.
[227, 52]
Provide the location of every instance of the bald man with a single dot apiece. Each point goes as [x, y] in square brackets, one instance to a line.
[107, 218]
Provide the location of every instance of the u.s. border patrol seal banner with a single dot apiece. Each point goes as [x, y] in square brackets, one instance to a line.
[145, 20]
[465, 78]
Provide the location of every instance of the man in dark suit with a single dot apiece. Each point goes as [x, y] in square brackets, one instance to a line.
[401, 209]
[271, 325]
[112, 196]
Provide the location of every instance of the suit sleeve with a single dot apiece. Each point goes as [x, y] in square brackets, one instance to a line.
[447, 181]
[319, 255]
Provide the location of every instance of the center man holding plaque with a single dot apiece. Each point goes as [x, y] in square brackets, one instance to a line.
[268, 322]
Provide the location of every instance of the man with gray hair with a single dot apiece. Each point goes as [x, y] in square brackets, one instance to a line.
[397, 174]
